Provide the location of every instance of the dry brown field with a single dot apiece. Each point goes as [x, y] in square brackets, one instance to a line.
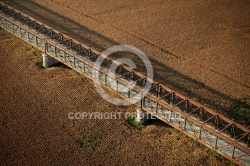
[200, 48]
[35, 128]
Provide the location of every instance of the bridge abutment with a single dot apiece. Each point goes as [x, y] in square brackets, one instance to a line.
[142, 116]
[48, 60]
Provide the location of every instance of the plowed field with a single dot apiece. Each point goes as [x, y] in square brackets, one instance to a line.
[198, 47]
[35, 128]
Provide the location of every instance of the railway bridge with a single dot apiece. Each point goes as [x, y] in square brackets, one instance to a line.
[199, 122]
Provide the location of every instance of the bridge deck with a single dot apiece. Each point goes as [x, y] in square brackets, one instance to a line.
[210, 128]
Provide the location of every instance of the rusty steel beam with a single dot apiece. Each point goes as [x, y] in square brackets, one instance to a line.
[155, 100]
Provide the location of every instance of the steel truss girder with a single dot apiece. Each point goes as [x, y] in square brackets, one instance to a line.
[224, 124]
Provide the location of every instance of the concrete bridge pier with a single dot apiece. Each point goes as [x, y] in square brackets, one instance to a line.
[142, 116]
[48, 60]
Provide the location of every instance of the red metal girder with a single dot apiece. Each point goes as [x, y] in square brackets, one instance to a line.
[193, 102]
[159, 102]
[208, 128]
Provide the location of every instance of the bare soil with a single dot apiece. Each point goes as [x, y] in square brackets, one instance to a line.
[35, 128]
[200, 48]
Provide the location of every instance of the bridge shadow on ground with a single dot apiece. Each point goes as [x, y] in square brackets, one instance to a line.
[164, 74]
[156, 122]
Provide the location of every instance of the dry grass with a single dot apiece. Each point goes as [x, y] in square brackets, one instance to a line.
[200, 48]
[35, 128]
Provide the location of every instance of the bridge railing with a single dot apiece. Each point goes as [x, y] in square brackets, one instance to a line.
[207, 126]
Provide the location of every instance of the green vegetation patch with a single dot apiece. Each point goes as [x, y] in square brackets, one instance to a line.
[134, 123]
[240, 111]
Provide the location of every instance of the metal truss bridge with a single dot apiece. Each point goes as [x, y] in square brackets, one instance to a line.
[206, 126]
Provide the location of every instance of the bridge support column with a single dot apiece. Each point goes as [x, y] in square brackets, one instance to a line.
[48, 60]
[142, 116]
